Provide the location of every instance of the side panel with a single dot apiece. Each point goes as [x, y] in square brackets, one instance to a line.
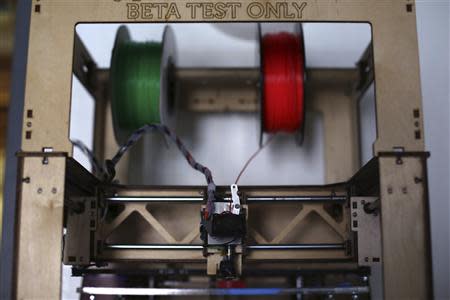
[405, 228]
[13, 144]
[39, 238]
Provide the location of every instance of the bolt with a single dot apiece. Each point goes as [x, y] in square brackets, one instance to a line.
[355, 297]
[237, 206]
[399, 161]
[54, 190]
[363, 202]
[330, 296]
[29, 124]
[366, 259]
[26, 180]
[417, 180]
[405, 190]
[365, 278]
[39, 190]
[355, 214]
[389, 190]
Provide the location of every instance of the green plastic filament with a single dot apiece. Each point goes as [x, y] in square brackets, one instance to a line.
[135, 84]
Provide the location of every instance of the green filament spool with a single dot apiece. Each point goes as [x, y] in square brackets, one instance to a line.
[140, 76]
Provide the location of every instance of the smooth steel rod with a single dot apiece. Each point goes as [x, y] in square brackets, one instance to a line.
[154, 199]
[248, 199]
[297, 247]
[354, 290]
[299, 199]
[250, 247]
[153, 247]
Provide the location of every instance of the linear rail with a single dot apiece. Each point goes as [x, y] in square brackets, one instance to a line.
[354, 290]
[333, 199]
[250, 247]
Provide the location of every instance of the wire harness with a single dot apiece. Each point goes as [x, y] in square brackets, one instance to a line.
[108, 173]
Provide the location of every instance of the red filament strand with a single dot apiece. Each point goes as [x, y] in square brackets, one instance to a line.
[283, 71]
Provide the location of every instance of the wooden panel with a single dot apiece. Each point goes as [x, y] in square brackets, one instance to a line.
[40, 217]
[79, 226]
[219, 90]
[395, 54]
[368, 228]
[330, 93]
[154, 255]
[297, 255]
[405, 228]
[397, 83]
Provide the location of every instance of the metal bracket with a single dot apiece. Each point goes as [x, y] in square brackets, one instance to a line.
[368, 228]
[235, 202]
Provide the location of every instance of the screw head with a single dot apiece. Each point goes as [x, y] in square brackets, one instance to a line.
[237, 206]
[39, 190]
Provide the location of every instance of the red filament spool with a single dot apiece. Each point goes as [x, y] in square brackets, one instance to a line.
[283, 88]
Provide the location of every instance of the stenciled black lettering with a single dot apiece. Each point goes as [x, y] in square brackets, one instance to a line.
[160, 9]
[234, 6]
[255, 10]
[208, 10]
[133, 11]
[173, 11]
[193, 6]
[299, 8]
[273, 10]
[146, 11]
[221, 10]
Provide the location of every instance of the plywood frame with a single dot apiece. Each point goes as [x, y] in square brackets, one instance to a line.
[47, 115]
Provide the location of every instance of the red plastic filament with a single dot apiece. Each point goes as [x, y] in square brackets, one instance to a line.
[283, 71]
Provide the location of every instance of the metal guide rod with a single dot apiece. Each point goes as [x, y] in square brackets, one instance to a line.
[250, 247]
[248, 199]
[299, 199]
[354, 290]
[298, 247]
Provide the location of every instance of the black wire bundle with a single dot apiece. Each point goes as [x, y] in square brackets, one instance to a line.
[109, 172]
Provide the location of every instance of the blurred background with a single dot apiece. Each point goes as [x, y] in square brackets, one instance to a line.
[7, 18]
